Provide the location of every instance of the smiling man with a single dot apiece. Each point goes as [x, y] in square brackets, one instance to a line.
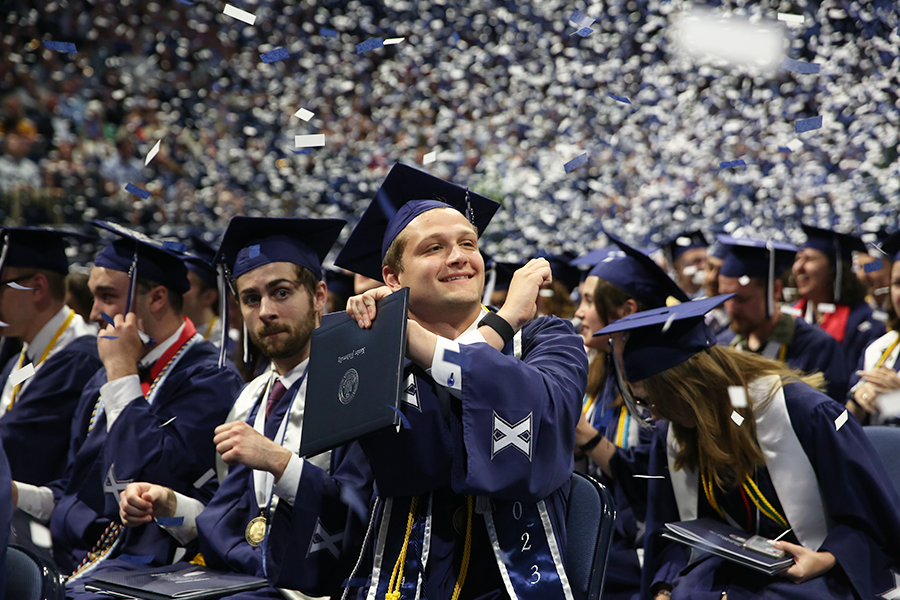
[491, 400]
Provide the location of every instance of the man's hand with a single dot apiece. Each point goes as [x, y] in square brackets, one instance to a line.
[361, 308]
[521, 300]
[140, 502]
[120, 356]
[807, 563]
[240, 444]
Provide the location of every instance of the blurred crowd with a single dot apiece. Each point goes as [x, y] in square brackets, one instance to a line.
[505, 93]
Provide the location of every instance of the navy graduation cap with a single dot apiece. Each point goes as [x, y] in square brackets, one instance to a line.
[756, 258]
[405, 194]
[142, 257]
[586, 262]
[838, 247]
[200, 260]
[637, 274]
[665, 337]
[38, 248]
[683, 242]
[891, 246]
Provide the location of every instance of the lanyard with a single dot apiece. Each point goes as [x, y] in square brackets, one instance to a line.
[44, 356]
[887, 353]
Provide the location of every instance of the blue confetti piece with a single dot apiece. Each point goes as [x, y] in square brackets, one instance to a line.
[186, 2]
[107, 318]
[576, 162]
[732, 163]
[804, 125]
[304, 151]
[144, 194]
[137, 559]
[329, 33]
[275, 55]
[785, 149]
[873, 266]
[109, 337]
[60, 46]
[457, 358]
[798, 66]
[618, 98]
[584, 31]
[580, 20]
[254, 250]
[403, 419]
[170, 521]
[369, 45]
[174, 246]
[454, 38]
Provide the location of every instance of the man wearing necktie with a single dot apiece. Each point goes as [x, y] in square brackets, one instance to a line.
[275, 265]
[42, 384]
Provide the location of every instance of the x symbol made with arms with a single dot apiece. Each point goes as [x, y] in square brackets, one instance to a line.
[322, 540]
[517, 436]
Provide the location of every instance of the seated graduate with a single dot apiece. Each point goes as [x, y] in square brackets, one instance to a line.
[831, 296]
[878, 366]
[277, 271]
[781, 459]
[201, 301]
[623, 283]
[472, 496]
[686, 256]
[751, 270]
[36, 414]
[147, 415]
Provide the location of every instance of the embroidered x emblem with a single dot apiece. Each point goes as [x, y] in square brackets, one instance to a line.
[411, 393]
[322, 540]
[112, 485]
[517, 436]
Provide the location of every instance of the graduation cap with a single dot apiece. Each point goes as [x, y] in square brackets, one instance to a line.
[142, 257]
[562, 271]
[683, 242]
[586, 262]
[662, 338]
[339, 282]
[200, 260]
[405, 194]
[838, 247]
[637, 274]
[37, 248]
[891, 246]
[756, 258]
[497, 276]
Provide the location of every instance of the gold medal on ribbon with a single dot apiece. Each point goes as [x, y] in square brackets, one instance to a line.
[256, 530]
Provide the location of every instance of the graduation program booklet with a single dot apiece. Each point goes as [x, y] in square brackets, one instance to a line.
[725, 541]
[181, 580]
[355, 376]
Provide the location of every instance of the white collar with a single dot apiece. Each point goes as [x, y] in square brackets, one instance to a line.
[474, 325]
[291, 377]
[40, 342]
[160, 349]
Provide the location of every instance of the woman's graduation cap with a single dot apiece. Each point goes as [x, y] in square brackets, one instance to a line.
[838, 247]
[405, 194]
[637, 274]
[683, 242]
[37, 248]
[756, 258]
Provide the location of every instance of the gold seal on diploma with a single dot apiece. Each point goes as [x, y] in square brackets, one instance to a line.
[256, 531]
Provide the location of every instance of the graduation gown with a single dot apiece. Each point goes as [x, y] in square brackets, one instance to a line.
[168, 442]
[36, 432]
[6, 512]
[869, 360]
[828, 483]
[859, 330]
[507, 440]
[322, 565]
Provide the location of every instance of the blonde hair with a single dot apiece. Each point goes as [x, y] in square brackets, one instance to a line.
[697, 391]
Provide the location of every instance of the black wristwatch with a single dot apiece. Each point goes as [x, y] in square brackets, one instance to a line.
[498, 324]
[591, 443]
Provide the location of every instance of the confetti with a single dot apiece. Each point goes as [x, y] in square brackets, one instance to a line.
[403, 420]
[429, 157]
[141, 193]
[784, 149]
[622, 99]
[170, 521]
[169, 421]
[737, 394]
[732, 163]
[152, 154]
[584, 32]
[326, 32]
[369, 45]
[880, 315]
[790, 310]
[274, 56]
[576, 162]
[580, 21]
[109, 337]
[240, 15]
[107, 318]
[873, 266]
[689, 270]
[40, 535]
[21, 375]
[204, 478]
[649, 476]
[804, 125]
[392, 41]
[864, 326]
[737, 418]
[307, 151]
[188, 2]
[795, 145]
[791, 19]
[304, 115]
[18, 286]
[668, 323]
[454, 38]
[314, 140]
[841, 419]
[881, 290]
[60, 46]
[744, 280]
[798, 66]
[825, 307]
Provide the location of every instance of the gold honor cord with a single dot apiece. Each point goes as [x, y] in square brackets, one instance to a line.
[209, 329]
[44, 356]
[749, 486]
[887, 352]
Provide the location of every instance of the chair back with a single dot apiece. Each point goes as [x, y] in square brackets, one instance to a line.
[590, 522]
[31, 577]
[887, 443]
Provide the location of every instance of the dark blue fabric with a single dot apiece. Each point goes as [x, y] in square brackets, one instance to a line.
[38, 428]
[6, 510]
[814, 351]
[856, 339]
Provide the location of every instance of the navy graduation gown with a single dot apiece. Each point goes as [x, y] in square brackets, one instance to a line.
[36, 432]
[862, 329]
[860, 504]
[814, 351]
[6, 512]
[168, 443]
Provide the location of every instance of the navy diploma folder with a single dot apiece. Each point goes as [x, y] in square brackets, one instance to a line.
[355, 376]
[181, 580]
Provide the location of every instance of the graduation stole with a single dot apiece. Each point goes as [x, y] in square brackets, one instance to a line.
[50, 345]
[835, 323]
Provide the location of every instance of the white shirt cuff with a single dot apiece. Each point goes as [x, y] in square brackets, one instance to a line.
[286, 488]
[188, 508]
[119, 393]
[446, 373]
[36, 501]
